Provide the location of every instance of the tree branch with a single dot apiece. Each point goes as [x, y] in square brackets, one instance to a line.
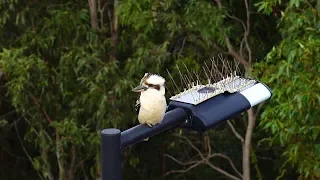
[247, 31]
[24, 149]
[259, 109]
[183, 170]
[179, 162]
[204, 160]
[230, 48]
[192, 145]
[227, 158]
[59, 155]
[244, 36]
[207, 140]
[101, 12]
[239, 57]
[36, 102]
[235, 132]
[222, 171]
[246, 28]
[115, 29]
[71, 171]
[233, 53]
[220, 155]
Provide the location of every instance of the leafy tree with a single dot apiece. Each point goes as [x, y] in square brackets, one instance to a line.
[67, 67]
[291, 69]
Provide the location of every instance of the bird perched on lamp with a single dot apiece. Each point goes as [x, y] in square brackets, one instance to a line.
[151, 105]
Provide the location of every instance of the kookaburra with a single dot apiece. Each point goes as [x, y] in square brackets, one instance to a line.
[151, 105]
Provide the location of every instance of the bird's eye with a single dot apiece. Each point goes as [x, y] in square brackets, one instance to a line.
[155, 86]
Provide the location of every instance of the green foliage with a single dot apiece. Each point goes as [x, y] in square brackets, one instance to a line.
[3, 123]
[64, 81]
[290, 69]
[56, 81]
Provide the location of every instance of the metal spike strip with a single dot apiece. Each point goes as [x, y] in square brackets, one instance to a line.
[230, 84]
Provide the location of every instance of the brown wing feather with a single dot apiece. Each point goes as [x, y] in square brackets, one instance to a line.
[137, 105]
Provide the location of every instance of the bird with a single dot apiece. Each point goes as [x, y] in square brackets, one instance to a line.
[151, 104]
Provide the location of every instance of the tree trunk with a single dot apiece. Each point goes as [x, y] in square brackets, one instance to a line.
[114, 30]
[59, 155]
[247, 145]
[71, 170]
[93, 14]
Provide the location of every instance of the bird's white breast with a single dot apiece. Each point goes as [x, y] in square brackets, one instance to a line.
[153, 107]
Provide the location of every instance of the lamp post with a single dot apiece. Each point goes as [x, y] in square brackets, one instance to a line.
[198, 116]
[111, 154]
[112, 141]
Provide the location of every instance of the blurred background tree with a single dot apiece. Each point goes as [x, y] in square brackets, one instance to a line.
[67, 69]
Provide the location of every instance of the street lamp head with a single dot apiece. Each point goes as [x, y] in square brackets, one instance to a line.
[211, 104]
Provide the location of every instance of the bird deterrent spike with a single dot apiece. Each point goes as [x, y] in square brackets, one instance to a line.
[223, 80]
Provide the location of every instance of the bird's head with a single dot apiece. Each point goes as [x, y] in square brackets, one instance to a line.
[151, 83]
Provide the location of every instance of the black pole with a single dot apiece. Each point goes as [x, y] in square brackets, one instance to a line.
[111, 154]
[138, 133]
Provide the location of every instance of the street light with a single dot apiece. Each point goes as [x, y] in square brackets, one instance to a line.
[198, 108]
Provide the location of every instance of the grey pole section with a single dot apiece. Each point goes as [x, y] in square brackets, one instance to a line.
[111, 154]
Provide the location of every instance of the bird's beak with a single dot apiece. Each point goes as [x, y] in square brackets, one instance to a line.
[140, 88]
